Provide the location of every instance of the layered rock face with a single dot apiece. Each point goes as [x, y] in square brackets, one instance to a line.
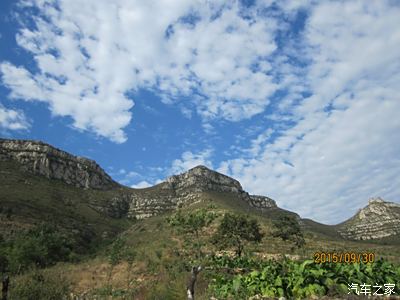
[177, 191]
[377, 220]
[43, 159]
[186, 189]
[201, 179]
[261, 202]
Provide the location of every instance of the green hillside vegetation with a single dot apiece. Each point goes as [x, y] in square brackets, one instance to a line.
[54, 244]
[27, 200]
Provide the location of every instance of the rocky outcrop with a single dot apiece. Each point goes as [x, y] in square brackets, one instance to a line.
[43, 159]
[378, 219]
[261, 202]
[201, 179]
[186, 189]
[177, 191]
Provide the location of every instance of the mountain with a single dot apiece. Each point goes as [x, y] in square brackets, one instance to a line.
[79, 195]
[94, 238]
[379, 219]
[179, 190]
[43, 159]
[40, 183]
[189, 188]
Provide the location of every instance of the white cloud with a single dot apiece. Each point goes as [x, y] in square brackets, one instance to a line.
[190, 160]
[343, 147]
[324, 156]
[141, 185]
[12, 119]
[90, 54]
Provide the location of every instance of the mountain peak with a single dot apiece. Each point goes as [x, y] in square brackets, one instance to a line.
[201, 179]
[375, 200]
[43, 159]
[184, 189]
[378, 219]
[200, 167]
[201, 170]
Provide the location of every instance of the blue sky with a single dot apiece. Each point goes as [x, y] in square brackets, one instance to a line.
[298, 100]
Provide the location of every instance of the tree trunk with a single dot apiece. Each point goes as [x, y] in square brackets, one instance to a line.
[4, 290]
[192, 282]
[239, 249]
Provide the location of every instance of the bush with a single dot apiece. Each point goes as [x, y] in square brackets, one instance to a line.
[288, 229]
[39, 285]
[300, 280]
[237, 230]
[41, 246]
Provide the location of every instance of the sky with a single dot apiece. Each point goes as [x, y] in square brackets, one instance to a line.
[298, 100]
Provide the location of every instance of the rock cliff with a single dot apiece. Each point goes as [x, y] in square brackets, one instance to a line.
[177, 191]
[378, 219]
[43, 159]
[186, 189]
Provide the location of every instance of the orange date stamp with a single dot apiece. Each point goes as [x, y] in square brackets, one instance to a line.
[344, 257]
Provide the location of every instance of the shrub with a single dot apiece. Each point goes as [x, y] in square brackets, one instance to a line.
[41, 246]
[39, 285]
[235, 231]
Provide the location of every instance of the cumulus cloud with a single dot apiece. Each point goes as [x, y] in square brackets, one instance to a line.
[190, 160]
[331, 140]
[141, 185]
[90, 55]
[12, 119]
[342, 148]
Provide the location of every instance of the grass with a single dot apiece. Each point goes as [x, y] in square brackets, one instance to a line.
[159, 270]
[27, 200]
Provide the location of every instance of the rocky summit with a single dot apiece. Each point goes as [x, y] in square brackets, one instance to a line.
[177, 191]
[43, 159]
[377, 220]
[186, 189]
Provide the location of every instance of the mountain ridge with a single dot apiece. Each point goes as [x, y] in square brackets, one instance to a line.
[177, 191]
[379, 219]
[41, 158]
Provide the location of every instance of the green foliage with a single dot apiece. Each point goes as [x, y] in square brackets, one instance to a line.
[3, 256]
[116, 252]
[299, 280]
[129, 256]
[41, 246]
[235, 230]
[172, 290]
[191, 226]
[288, 229]
[193, 222]
[39, 285]
[234, 263]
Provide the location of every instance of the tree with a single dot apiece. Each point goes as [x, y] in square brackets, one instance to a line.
[117, 252]
[236, 230]
[288, 229]
[129, 256]
[192, 226]
[115, 255]
[41, 246]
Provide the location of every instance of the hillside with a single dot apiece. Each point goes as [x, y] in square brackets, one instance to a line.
[27, 200]
[65, 182]
[107, 221]
[379, 219]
